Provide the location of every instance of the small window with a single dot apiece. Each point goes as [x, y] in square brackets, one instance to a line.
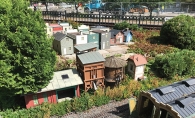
[93, 37]
[65, 29]
[67, 39]
[45, 97]
[69, 48]
[131, 67]
[82, 38]
[35, 100]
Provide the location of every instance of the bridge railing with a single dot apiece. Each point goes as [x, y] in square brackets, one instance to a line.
[139, 19]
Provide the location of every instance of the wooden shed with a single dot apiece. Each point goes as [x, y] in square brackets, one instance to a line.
[64, 85]
[114, 69]
[90, 66]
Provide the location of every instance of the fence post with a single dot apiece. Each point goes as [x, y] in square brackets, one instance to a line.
[99, 17]
[139, 19]
[65, 15]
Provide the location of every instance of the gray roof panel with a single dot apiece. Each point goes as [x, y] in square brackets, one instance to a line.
[58, 82]
[91, 57]
[182, 99]
[84, 47]
[59, 36]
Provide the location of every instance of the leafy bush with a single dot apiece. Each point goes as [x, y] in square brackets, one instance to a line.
[61, 108]
[124, 25]
[100, 98]
[121, 26]
[83, 103]
[180, 63]
[179, 32]
[42, 111]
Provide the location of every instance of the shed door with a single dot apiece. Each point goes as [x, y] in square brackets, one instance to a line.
[103, 45]
[120, 39]
[64, 50]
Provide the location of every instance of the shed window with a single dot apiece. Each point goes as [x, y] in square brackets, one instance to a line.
[69, 48]
[131, 67]
[67, 39]
[35, 100]
[82, 38]
[45, 97]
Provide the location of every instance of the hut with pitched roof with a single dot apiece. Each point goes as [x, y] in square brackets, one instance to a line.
[136, 66]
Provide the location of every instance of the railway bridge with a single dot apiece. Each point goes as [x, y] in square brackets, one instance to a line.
[149, 22]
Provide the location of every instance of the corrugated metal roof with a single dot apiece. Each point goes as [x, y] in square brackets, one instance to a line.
[180, 95]
[91, 57]
[63, 79]
[87, 46]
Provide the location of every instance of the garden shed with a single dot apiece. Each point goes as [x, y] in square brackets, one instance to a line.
[114, 69]
[64, 85]
[90, 66]
[117, 37]
[176, 100]
[78, 37]
[128, 35]
[56, 28]
[92, 37]
[136, 66]
[104, 39]
[62, 44]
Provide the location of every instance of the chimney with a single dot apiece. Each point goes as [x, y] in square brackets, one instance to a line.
[81, 32]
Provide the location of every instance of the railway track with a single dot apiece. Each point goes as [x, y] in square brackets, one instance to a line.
[116, 109]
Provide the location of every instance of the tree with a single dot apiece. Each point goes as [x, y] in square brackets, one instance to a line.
[26, 56]
[179, 32]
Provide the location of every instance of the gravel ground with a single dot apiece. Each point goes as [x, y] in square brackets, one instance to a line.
[115, 109]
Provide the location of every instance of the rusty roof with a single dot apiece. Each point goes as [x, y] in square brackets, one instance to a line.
[138, 59]
[114, 62]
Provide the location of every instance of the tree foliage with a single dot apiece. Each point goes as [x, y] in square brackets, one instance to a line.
[26, 56]
[180, 63]
[179, 32]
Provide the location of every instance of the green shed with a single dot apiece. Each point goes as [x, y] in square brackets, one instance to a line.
[92, 37]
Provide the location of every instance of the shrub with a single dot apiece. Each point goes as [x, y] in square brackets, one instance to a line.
[100, 98]
[42, 111]
[61, 108]
[115, 93]
[179, 32]
[82, 103]
[121, 26]
[180, 63]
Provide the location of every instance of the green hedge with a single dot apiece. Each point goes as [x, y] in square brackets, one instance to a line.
[180, 63]
[46, 110]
